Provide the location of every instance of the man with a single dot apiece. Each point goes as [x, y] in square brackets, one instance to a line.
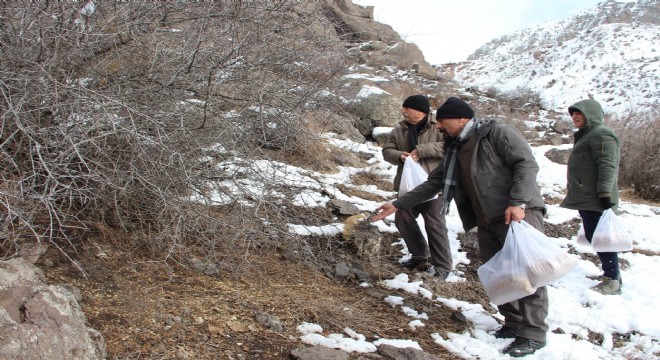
[592, 181]
[417, 139]
[490, 171]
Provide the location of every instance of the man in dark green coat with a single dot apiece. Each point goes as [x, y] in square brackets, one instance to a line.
[592, 180]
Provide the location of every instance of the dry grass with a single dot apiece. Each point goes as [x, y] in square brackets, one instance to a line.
[371, 178]
[157, 310]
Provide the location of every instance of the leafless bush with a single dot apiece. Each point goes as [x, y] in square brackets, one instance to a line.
[117, 113]
[369, 177]
[521, 97]
[640, 154]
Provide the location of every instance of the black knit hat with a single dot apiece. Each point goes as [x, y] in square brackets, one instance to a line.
[454, 108]
[418, 102]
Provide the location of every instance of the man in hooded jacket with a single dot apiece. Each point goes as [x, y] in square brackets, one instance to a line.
[592, 181]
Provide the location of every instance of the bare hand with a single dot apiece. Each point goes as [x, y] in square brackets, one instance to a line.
[384, 211]
[515, 213]
[403, 156]
[414, 155]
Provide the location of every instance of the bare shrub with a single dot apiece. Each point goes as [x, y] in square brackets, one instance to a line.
[522, 97]
[368, 177]
[119, 114]
[640, 154]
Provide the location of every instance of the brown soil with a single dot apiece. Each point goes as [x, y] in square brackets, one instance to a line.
[161, 310]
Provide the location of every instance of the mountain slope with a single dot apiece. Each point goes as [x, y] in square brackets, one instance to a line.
[610, 53]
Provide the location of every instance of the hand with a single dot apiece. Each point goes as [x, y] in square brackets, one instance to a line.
[515, 213]
[606, 202]
[403, 156]
[384, 211]
[414, 155]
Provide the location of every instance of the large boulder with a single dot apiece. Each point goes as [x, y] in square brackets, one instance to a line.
[38, 321]
[382, 45]
[376, 109]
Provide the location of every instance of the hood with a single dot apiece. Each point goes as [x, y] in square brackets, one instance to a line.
[591, 110]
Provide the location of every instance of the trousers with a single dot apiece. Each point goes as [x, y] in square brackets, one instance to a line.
[609, 260]
[528, 314]
[437, 248]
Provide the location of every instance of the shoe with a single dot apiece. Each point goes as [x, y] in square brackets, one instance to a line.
[506, 332]
[433, 271]
[599, 277]
[608, 286]
[415, 262]
[523, 346]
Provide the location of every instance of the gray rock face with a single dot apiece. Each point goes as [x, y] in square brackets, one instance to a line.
[383, 46]
[38, 321]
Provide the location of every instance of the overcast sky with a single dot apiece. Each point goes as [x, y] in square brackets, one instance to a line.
[449, 31]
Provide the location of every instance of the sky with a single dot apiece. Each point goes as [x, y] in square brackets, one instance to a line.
[575, 309]
[449, 31]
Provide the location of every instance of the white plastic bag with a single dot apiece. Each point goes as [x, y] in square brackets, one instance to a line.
[412, 175]
[527, 261]
[610, 235]
[503, 276]
[548, 262]
[582, 237]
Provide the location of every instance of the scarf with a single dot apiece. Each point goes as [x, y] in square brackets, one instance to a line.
[413, 131]
[450, 165]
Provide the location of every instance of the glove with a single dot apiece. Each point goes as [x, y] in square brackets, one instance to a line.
[606, 202]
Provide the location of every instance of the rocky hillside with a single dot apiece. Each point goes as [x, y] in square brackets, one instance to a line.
[233, 276]
[610, 53]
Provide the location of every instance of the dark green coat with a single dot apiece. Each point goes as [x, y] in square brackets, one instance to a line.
[593, 166]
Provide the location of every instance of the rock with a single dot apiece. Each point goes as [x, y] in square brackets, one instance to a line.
[342, 270]
[318, 353]
[395, 353]
[19, 280]
[459, 317]
[553, 139]
[558, 156]
[376, 110]
[38, 321]
[370, 356]
[381, 136]
[32, 251]
[562, 127]
[268, 321]
[54, 328]
[342, 207]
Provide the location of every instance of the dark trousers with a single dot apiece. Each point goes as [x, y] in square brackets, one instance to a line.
[609, 260]
[529, 313]
[437, 247]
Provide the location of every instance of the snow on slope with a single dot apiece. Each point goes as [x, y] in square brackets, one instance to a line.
[610, 53]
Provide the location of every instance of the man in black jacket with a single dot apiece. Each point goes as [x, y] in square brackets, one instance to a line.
[490, 171]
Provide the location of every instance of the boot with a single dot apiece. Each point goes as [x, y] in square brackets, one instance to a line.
[506, 332]
[437, 273]
[608, 286]
[415, 263]
[523, 346]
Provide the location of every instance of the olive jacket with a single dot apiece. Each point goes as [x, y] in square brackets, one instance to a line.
[593, 166]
